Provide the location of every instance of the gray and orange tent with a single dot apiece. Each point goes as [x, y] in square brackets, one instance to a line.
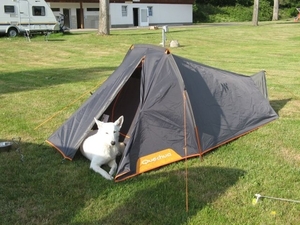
[174, 108]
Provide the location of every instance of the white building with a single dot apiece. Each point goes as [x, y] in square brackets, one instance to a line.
[85, 13]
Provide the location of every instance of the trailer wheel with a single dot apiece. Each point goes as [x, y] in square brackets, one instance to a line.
[12, 32]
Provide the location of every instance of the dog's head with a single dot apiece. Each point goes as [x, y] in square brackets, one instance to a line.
[110, 131]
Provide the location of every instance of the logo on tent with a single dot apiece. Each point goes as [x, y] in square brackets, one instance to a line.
[157, 159]
[225, 87]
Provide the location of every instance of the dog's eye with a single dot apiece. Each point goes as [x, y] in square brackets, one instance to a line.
[115, 131]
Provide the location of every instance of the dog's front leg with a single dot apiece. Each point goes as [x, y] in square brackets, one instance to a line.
[113, 167]
[96, 167]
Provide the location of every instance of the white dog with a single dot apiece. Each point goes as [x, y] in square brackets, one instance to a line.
[102, 146]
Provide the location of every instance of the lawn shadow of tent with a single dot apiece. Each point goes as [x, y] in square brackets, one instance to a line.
[277, 105]
[67, 189]
[163, 201]
[35, 179]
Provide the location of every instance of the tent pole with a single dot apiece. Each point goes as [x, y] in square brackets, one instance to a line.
[185, 153]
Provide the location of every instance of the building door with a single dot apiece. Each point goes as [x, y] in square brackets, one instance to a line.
[135, 17]
[66, 13]
[80, 18]
[144, 17]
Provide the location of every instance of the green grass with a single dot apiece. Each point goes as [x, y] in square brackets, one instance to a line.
[43, 82]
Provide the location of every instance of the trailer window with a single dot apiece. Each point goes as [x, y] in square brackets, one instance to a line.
[38, 10]
[9, 9]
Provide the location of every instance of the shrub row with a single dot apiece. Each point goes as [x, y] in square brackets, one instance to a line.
[208, 13]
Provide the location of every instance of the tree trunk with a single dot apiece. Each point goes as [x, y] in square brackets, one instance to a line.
[275, 10]
[104, 24]
[255, 13]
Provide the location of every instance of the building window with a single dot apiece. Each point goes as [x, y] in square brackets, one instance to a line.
[9, 9]
[38, 10]
[124, 10]
[55, 9]
[150, 10]
[92, 9]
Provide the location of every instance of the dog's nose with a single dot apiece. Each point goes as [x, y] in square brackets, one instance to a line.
[112, 142]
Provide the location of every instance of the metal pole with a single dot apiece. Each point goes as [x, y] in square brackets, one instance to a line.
[163, 37]
[258, 196]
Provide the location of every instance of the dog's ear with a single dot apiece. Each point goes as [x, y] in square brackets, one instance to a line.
[119, 122]
[98, 122]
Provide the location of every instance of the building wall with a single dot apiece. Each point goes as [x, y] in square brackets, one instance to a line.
[133, 1]
[163, 14]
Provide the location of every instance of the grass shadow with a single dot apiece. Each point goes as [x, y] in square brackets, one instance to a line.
[136, 34]
[34, 79]
[288, 22]
[44, 189]
[163, 201]
[77, 33]
[55, 39]
[277, 105]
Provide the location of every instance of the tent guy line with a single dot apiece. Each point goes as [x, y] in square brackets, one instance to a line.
[77, 99]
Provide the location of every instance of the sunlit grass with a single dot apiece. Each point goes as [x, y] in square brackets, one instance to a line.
[43, 82]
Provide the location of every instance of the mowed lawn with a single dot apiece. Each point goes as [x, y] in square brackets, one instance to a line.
[43, 82]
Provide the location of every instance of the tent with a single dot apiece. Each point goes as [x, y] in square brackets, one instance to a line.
[174, 108]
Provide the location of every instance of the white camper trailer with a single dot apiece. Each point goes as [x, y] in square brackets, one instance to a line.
[30, 16]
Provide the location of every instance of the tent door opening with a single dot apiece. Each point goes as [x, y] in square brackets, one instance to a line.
[126, 103]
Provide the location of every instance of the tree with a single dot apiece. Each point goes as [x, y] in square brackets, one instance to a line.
[255, 13]
[276, 10]
[104, 28]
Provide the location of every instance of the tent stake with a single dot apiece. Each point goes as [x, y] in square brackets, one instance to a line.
[258, 196]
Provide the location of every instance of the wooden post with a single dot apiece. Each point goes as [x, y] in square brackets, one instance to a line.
[81, 16]
[255, 13]
[104, 28]
[275, 10]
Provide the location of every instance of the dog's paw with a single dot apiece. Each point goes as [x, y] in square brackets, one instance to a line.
[109, 177]
[111, 173]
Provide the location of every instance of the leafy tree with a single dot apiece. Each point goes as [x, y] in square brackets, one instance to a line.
[225, 2]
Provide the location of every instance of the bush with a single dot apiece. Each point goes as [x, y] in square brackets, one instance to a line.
[238, 13]
[233, 14]
[202, 12]
[286, 13]
[265, 11]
